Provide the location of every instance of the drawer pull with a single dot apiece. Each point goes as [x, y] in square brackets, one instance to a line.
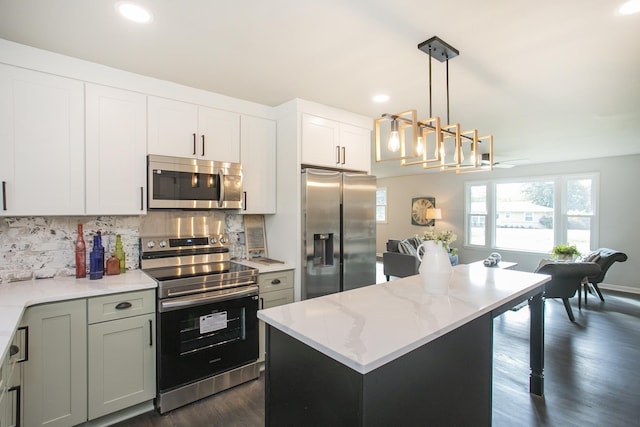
[123, 305]
[275, 282]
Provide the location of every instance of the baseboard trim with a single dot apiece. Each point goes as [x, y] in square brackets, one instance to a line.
[627, 289]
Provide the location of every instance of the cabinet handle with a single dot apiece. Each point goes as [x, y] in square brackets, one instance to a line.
[123, 305]
[244, 200]
[150, 333]
[337, 154]
[141, 198]
[18, 403]
[344, 155]
[4, 195]
[194, 144]
[26, 343]
[275, 282]
[203, 145]
[13, 350]
[261, 303]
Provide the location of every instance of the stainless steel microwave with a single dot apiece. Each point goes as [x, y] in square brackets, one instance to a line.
[187, 183]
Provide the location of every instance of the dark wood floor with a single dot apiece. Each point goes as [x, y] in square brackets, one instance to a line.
[592, 373]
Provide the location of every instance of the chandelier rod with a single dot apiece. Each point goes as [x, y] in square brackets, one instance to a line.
[420, 124]
[448, 118]
[430, 91]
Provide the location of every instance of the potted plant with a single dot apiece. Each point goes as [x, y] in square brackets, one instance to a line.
[564, 252]
[445, 238]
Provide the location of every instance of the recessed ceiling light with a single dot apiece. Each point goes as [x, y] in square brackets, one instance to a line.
[381, 98]
[630, 7]
[133, 12]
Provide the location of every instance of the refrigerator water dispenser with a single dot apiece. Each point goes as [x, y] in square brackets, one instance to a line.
[322, 249]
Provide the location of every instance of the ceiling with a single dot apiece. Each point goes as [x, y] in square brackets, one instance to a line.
[551, 80]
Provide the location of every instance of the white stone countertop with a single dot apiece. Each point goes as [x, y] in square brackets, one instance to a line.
[265, 268]
[15, 297]
[368, 327]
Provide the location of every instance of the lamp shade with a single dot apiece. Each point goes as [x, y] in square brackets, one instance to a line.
[434, 213]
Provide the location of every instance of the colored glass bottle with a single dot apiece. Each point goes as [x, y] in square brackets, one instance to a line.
[99, 233]
[113, 265]
[120, 254]
[96, 266]
[81, 255]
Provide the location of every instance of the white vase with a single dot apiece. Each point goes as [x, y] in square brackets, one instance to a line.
[435, 267]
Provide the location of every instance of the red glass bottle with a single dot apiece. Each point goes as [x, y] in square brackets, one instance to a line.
[81, 255]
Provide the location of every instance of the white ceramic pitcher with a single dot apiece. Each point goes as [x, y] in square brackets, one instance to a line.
[435, 267]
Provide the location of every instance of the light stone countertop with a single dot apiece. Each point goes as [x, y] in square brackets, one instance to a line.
[368, 327]
[264, 268]
[15, 297]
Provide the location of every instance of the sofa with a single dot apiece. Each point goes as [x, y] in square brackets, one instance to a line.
[399, 260]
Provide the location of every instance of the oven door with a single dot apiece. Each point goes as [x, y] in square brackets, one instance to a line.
[206, 334]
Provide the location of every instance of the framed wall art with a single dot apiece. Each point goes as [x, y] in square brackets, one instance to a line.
[419, 206]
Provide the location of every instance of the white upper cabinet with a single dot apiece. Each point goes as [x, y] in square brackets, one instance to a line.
[181, 129]
[333, 144]
[356, 143]
[116, 139]
[41, 143]
[258, 165]
[320, 141]
[219, 133]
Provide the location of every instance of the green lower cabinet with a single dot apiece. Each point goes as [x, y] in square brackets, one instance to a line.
[10, 386]
[55, 374]
[121, 364]
[88, 358]
[276, 288]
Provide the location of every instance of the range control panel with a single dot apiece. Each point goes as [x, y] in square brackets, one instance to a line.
[159, 244]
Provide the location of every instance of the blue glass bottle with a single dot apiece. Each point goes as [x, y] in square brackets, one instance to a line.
[96, 257]
[104, 264]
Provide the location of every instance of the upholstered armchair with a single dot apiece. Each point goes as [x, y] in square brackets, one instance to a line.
[605, 258]
[566, 279]
[395, 263]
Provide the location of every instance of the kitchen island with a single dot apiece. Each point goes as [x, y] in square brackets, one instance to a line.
[391, 353]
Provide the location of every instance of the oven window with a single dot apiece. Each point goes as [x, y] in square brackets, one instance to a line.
[204, 340]
[200, 333]
[171, 185]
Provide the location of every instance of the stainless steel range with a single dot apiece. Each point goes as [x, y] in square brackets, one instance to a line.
[207, 310]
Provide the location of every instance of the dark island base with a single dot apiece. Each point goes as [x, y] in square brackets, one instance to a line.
[445, 382]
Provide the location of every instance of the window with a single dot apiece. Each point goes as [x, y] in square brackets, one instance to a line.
[514, 200]
[381, 205]
[533, 214]
[580, 211]
[477, 214]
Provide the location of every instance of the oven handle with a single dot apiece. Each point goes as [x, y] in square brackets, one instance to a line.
[177, 303]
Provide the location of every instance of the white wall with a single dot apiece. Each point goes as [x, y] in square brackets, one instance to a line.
[619, 210]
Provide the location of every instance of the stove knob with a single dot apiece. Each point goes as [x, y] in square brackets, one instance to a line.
[162, 244]
[223, 240]
[213, 240]
[151, 244]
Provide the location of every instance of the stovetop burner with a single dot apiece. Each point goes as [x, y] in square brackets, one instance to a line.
[188, 265]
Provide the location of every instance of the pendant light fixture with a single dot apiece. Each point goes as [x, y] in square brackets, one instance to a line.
[427, 142]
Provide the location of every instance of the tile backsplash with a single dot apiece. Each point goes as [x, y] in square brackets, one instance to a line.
[44, 247]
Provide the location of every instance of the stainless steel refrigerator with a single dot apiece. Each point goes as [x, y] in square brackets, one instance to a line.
[338, 231]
